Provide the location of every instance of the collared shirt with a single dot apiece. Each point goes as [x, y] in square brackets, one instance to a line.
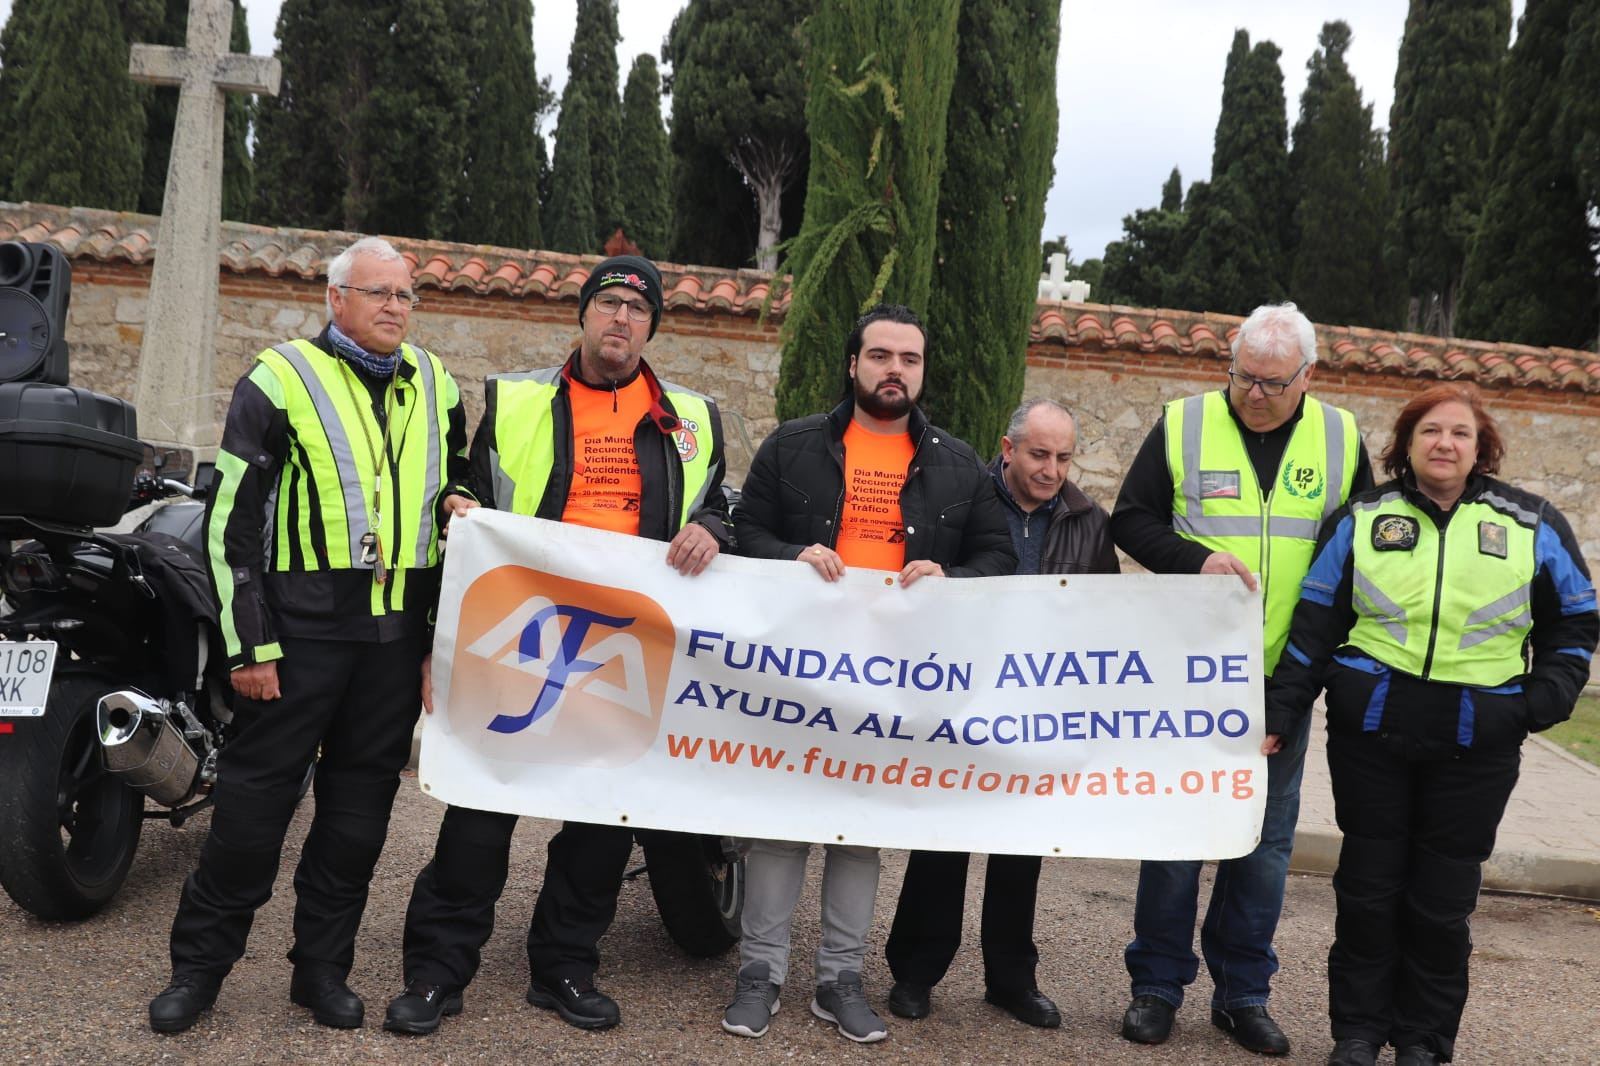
[1027, 527]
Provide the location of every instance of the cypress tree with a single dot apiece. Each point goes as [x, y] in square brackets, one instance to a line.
[1579, 121]
[411, 124]
[1137, 268]
[647, 186]
[1172, 192]
[161, 112]
[18, 39]
[592, 67]
[76, 121]
[738, 128]
[1445, 87]
[304, 134]
[1340, 193]
[569, 216]
[1235, 229]
[1001, 136]
[500, 195]
[880, 74]
[1530, 271]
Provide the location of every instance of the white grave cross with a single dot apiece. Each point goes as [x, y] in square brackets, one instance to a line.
[175, 397]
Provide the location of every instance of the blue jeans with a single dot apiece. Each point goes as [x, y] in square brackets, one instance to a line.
[1245, 902]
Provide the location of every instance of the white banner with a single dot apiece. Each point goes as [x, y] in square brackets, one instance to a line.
[578, 676]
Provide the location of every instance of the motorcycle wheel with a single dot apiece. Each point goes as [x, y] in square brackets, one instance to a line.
[70, 828]
[698, 890]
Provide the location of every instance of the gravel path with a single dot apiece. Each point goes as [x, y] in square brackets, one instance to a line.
[77, 993]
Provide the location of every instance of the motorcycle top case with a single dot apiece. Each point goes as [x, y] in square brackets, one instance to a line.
[67, 455]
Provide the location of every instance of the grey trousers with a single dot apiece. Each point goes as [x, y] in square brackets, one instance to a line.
[775, 872]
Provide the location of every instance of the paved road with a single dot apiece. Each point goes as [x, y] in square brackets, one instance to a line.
[77, 993]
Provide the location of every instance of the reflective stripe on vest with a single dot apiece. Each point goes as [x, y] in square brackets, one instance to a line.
[1217, 503]
[524, 452]
[1467, 591]
[332, 467]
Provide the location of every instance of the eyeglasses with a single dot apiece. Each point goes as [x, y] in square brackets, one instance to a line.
[608, 305]
[383, 296]
[1244, 382]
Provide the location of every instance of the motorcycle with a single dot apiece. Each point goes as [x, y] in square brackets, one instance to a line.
[112, 695]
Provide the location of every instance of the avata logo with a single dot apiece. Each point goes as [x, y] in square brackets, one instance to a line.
[552, 670]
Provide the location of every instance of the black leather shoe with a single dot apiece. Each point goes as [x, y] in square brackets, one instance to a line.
[330, 1000]
[1148, 1020]
[1416, 1055]
[1353, 1052]
[420, 1008]
[910, 1000]
[181, 1003]
[1253, 1029]
[577, 1001]
[1031, 1006]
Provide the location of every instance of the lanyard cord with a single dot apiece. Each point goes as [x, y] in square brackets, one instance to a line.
[379, 456]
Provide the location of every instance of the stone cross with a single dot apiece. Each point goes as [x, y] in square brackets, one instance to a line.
[1055, 286]
[176, 398]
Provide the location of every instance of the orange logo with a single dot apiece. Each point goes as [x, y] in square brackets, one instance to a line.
[551, 670]
[684, 436]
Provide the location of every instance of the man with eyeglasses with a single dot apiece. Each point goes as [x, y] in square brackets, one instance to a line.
[342, 458]
[601, 442]
[1235, 481]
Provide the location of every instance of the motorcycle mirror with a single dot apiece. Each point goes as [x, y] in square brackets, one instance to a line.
[203, 475]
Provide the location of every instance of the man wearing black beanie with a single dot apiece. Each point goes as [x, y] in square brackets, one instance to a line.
[548, 447]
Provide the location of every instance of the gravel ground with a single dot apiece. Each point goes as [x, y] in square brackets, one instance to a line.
[77, 993]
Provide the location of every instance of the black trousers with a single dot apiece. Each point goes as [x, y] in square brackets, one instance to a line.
[359, 703]
[451, 913]
[927, 920]
[1417, 829]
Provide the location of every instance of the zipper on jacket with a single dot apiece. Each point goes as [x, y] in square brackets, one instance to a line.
[1438, 595]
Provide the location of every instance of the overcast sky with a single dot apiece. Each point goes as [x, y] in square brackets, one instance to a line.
[1139, 83]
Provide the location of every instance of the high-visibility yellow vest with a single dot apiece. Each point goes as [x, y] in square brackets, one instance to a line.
[1452, 605]
[525, 445]
[1271, 528]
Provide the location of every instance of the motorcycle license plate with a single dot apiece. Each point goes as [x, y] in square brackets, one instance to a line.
[25, 671]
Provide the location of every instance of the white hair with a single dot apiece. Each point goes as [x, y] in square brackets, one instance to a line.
[1278, 330]
[1019, 417]
[339, 269]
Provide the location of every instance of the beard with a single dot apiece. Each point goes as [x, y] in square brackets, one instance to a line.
[886, 406]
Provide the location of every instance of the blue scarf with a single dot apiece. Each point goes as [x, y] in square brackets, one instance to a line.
[373, 366]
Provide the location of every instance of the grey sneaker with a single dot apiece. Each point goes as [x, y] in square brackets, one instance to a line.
[844, 1003]
[755, 1001]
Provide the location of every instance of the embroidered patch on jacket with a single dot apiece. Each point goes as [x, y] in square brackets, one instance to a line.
[1394, 533]
[1492, 539]
[684, 437]
[1303, 481]
[1219, 484]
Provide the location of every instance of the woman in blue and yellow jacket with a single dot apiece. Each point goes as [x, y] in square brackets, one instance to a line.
[1448, 615]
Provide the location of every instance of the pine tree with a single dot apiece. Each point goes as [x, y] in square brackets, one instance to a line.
[569, 216]
[592, 67]
[76, 124]
[646, 193]
[1236, 226]
[1340, 191]
[1136, 268]
[304, 134]
[1530, 272]
[738, 127]
[499, 201]
[1445, 87]
[161, 112]
[1001, 135]
[880, 74]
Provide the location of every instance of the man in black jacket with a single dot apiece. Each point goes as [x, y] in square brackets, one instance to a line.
[871, 485]
[1056, 529]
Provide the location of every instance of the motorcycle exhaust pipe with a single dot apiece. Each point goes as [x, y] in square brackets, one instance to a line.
[145, 747]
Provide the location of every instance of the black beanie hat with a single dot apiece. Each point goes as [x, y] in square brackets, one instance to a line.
[633, 271]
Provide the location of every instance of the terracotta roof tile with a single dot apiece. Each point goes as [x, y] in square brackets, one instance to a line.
[112, 236]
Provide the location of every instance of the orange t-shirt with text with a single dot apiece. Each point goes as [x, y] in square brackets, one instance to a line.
[605, 473]
[871, 532]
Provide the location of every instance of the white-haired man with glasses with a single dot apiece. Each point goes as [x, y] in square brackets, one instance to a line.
[342, 458]
[1235, 481]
